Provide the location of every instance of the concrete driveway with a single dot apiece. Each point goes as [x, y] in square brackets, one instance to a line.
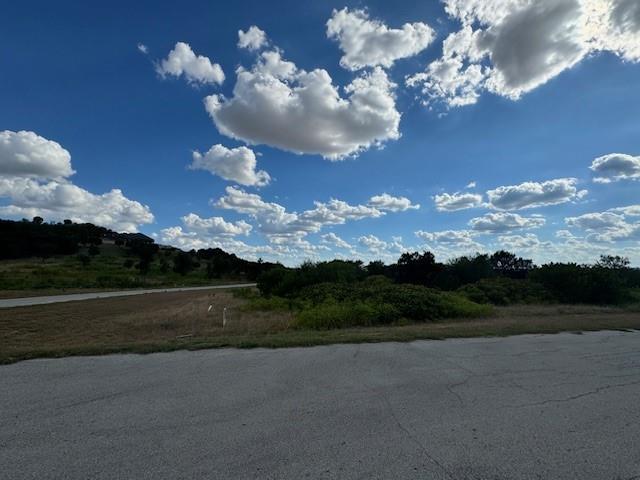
[75, 297]
[528, 407]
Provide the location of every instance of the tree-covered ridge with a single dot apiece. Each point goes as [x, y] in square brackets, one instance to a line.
[39, 255]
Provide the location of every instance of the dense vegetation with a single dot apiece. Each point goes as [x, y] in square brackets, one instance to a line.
[39, 255]
[322, 295]
[417, 288]
[38, 239]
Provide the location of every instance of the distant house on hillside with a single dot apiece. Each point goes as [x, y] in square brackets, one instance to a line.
[136, 237]
[111, 237]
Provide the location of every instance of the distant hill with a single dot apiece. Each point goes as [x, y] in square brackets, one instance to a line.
[39, 255]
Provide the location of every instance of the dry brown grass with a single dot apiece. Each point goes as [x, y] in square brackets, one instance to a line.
[125, 322]
[170, 321]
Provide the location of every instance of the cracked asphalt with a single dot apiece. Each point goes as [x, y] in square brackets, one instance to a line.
[560, 406]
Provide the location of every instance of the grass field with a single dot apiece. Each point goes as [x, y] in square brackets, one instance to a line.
[172, 321]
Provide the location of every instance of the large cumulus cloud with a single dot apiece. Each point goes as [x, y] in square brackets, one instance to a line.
[33, 180]
[277, 104]
[510, 47]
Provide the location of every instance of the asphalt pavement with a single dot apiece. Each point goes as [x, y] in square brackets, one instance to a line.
[75, 297]
[555, 407]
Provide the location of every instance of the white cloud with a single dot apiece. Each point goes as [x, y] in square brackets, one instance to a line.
[504, 222]
[605, 226]
[188, 240]
[242, 202]
[380, 249]
[336, 212]
[333, 239]
[253, 39]
[234, 164]
[527, 242]
[450, 243]
[451, 202]
[629, 211]
[33, 173]
[596, 221]
[279, 225]
[26, 154]
[143, 48]
[277, 104]
[564, 234]
[177, 237]
[389, 203]
[458, 238]
[370, 43]
[471, 185]
[618, 27]
[510, 47]
[58, 200]
[615, 167]
[216, 226]
[535, 194]
[372, 243]
[215, 232]
[196, 69]
[569, 248]
[609, 226]
[453, 79]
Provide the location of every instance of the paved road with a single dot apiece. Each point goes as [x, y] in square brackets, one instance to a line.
[74, 297]
[529, 407]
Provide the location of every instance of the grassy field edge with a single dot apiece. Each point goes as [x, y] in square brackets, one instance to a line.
[307, 338]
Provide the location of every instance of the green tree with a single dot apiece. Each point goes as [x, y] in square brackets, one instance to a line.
[613, 262]
[183, 263]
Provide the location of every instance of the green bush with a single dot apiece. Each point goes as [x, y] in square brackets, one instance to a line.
[269, 304]
[505, 291]
[332, 314]
[378, 301]
[245, 293]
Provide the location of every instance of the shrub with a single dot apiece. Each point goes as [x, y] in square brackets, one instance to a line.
[272, 304]
[505, 291]
[246, 293]
[332, 314]
[379, 301]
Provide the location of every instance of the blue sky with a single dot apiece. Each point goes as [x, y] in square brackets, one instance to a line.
[78, 93]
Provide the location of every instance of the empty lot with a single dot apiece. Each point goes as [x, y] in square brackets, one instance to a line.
[559, 406]
[194, 320]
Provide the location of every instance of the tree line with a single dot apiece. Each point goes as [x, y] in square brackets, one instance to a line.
[499, 278]
[36, 238]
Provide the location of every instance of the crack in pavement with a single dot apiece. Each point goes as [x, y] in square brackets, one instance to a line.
[575, 397]
[413, 438]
